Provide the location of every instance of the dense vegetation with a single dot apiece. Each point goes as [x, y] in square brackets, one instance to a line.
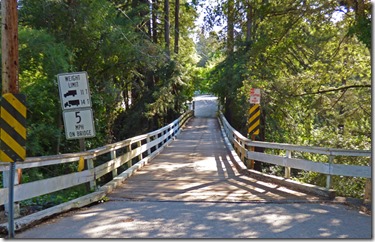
[122, 47]
[310, 58]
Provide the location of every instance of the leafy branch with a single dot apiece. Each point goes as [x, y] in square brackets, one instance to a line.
[344, 88]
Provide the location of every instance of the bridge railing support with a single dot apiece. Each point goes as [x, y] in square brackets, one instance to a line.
[287, 169]
[241, 144]
[114, 156]
[328, 178]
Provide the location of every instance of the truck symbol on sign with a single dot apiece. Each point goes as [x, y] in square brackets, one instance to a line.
[71, 103]
[71, 93]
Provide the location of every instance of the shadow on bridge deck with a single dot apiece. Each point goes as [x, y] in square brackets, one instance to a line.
[197, 167]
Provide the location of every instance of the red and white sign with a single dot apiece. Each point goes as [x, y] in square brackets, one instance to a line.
[255, 96]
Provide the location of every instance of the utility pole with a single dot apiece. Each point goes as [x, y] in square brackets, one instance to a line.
[9, 46]
[9, 50]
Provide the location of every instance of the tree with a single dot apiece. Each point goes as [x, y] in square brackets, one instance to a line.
[299, 56]
[41, 57]
[166, 27]
[176, 24]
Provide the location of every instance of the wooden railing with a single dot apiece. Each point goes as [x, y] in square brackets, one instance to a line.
[243, 147]
[141, 149]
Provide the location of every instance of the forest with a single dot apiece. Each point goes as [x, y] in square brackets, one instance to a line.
[145, 59]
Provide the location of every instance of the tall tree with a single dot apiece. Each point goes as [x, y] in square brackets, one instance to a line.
[166, 28]
[249, 22]
[155, 9]
[176, 25]
[230, 26]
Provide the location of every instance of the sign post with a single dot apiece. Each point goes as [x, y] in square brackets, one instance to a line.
[254, 119]
[76, 105]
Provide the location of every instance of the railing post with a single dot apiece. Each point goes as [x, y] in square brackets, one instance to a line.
[368, 189]
[242, 151]
[248, 161]
[16, 205]
[328, 179]
[368, 194]
[288, 155]
[252, 149]
[114, 156]
[129, 150]
[90, 166]
[149, 149]
[140, 156]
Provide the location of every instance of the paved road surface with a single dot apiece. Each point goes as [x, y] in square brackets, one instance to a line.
[192, 190]
[151, 219]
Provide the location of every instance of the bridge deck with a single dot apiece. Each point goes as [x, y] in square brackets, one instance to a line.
[197, 167]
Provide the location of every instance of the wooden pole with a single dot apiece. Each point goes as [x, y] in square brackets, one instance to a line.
[9, 62]
[9, 46]
[252, 149]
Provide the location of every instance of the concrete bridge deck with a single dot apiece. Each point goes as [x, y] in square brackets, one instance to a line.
[193, 190]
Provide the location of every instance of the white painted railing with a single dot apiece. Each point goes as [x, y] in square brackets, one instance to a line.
[243, 145]
[144, 147]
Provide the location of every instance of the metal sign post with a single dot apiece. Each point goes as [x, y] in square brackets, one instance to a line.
[77, 113]
[254, 119]
[12, 171]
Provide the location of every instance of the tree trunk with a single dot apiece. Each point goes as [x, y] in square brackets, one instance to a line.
[166, 27]
[230, 24]
[176, 25]
[155, 6]
[249, 23]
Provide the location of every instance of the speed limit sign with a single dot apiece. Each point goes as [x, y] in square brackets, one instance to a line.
[79, 124]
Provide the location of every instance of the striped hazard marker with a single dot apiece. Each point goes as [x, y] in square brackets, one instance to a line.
[254, 120]
[13, 128]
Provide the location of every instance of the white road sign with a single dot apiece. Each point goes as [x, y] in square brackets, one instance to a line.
[255, 96]
[74, 90]
[79, 124]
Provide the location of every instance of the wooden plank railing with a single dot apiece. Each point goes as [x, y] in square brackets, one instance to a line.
[242, 146]
[142, 147]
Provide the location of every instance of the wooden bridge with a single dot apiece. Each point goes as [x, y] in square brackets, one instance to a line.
[194, 159]
[197, 167]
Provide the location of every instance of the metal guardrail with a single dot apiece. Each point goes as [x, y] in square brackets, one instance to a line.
[242, 146]
[143, 147]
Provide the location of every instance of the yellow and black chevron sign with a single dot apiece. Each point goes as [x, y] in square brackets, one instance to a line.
[13, 128]
[254, 120]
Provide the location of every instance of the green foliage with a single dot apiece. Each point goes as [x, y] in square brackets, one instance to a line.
[41, 58]
[314, 77]
[52, 199]
[129, 74]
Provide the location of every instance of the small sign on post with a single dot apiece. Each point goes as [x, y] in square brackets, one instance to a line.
[255, 96]
[79, 124]
[74, 90]
[76, 105]
[254, 120]
[13, 127]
